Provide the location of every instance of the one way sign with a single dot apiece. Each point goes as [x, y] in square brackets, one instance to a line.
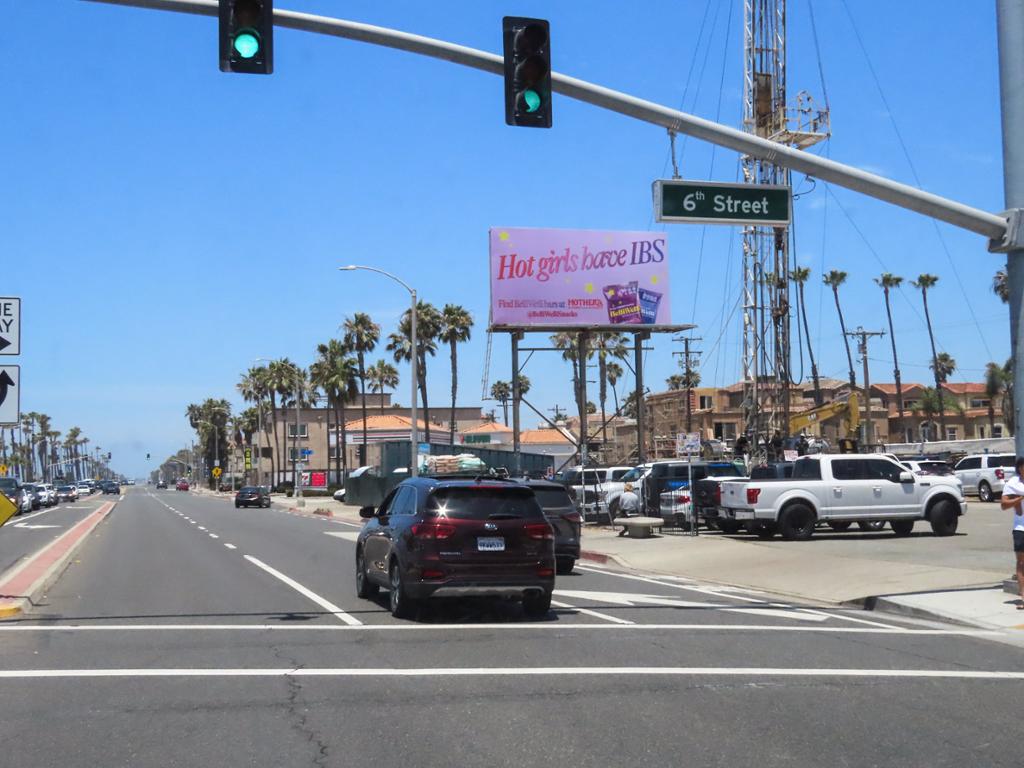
[10, 395]
[10, 326]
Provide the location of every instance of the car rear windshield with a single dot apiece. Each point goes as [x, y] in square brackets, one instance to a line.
[723, 470]
[552, 498]
[589, 477]
[807, 469]
[248, 489]
[1002, 461]
[483, 503]
[65, 488]
[936, 467]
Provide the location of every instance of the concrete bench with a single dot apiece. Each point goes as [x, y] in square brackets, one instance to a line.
[639, 527]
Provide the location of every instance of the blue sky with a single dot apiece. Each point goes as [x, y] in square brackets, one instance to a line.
[166, 223]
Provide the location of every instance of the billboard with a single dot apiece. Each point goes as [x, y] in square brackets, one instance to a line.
[578, 277]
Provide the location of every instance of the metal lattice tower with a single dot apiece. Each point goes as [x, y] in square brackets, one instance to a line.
[766, 263]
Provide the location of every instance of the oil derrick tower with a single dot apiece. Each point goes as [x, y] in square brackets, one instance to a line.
[766, 253]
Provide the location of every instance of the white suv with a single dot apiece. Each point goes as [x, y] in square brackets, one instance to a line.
[984, 474]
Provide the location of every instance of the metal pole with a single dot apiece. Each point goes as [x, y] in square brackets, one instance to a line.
[581, 405]
[517, 457]
[259, 443]
[414, 437]
[973, 219]
[297, 473]
[638, 396]
[868, 426]
[1010, 24]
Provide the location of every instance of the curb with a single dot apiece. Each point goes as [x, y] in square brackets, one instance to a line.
[34, 576]
[603, 558]
[883, 604]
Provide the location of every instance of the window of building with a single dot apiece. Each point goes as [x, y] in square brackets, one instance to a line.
[292, 453]
[725, 430]
[303, 430]
[997, 430]
[979, 402]
[706, 401]
[951, 433]
[979, 430]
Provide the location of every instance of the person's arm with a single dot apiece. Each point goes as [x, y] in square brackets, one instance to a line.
[1011, 501]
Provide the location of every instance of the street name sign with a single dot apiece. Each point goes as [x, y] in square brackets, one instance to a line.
[712, 202]
[10, 395]
[10, 325]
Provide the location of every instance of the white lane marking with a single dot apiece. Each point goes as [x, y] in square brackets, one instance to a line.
[731, 596]
[552, 626]
[193, 522]
[490, 672]
[345, 522]
[347, 535]
[595, 614]
[44, 511]
[321, 601]
[628, 599]
[231, 546]
[121, 497]
[214, 536]
[201, 528]
[26, 526]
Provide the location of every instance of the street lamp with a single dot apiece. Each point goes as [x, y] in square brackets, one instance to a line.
[413, 361]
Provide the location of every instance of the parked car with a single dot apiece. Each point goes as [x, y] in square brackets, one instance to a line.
[109, 486]
[181, 485]
[984, 474]
[67, 493]
[84, 488]
[339, 495]
[652, 480]
[928, 467]
[48, 493]
[590, 488]
[434, 538]
[252, 496]
[565, 521]
[25, 500]
[11, 488]
[842, 490]
[35, 496]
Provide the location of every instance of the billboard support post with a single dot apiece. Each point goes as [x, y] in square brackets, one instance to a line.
[517, 457]
[638, 396]
[581, 400]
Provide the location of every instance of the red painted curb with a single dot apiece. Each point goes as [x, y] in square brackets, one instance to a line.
[597, 557]
[31, 575]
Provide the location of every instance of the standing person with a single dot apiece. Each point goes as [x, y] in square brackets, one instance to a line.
[803, 446]
[776, 446]
[629, 505]
[1013, 498]
[741, 447]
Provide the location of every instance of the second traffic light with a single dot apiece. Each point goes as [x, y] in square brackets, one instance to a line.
[527, 44]
[247, 36]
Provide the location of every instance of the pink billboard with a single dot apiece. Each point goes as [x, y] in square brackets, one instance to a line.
[578, 277]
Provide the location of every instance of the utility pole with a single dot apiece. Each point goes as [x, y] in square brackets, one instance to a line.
[862, 347]
[687, 365]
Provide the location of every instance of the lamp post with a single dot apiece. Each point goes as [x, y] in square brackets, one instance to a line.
[413, 361]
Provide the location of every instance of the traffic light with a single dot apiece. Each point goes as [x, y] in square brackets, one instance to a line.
[527, 71]
[247, 36]
[108, 455]
[147, 457]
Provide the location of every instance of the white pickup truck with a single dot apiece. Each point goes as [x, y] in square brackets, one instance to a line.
[841, 490]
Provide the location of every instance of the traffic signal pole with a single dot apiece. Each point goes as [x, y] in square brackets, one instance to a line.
[1010, 22]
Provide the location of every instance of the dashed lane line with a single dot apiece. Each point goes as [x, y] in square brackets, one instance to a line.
[595, 614]
[231, 546]
[337, 612]
[214, 536]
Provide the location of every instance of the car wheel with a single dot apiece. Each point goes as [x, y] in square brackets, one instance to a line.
[728, 526]
[944, 518]
[564, 565]
[984, 491]
[871, 525]
[364, 589]
[840, 526]
[765, 531]
[402, 607]
[537, 606]
[902, 527]
[796, 523]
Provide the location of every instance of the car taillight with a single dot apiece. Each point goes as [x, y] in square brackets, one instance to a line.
[429, 573]
[545, 572]
[682, 499]
[752, 494]
[573, 517]
[539, 531]
[718, 495]
[999, 474]
[433, 530]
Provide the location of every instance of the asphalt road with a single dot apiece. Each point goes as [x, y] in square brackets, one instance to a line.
[23, 535]
[190, 633]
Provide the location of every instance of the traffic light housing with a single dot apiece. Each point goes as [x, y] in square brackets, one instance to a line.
[108, 455]
[247, 36]
[527, 44]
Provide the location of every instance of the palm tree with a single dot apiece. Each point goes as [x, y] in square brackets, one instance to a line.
[924, 282]
[455, 326]
[428, 323]
[676, 382]
[946, 365]
[569, 345]
[361, 336]
[71, 449]
[1001, 286]
[1007, 404]
[336, 372]
[995, 385]
[253, 388]
[614, 373]
[834, 279]
[799, 276]
[502, 392]
[279, 381]
[607, 345]
[382, 375]
[887, 281]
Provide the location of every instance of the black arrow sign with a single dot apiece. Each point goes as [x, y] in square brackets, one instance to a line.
[4, 343]
[5, 382]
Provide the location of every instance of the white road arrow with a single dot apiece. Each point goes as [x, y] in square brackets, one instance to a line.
[631, 599]
[26, 525]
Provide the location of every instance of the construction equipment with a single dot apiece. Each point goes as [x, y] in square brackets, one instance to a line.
[849, 409]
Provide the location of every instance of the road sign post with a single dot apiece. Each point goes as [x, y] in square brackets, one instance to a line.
[10, 395]
[10, 325]
[711, 202]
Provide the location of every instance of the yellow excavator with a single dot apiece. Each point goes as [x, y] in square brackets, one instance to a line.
[849, 409]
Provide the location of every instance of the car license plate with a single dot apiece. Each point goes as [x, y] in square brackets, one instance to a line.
[490, 544]
[744, 514]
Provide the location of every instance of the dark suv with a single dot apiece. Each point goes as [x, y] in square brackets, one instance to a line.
[435, 537]
[556, 503]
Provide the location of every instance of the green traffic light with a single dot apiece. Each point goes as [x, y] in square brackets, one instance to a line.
[247, 45]
[532, 99]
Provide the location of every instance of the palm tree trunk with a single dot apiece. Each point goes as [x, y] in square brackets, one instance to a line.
[423, 393]
[455, 387]
[895, 361]
[504, 409]
[810, 352]
[344, 440]
[602, 395]
[935, 366]
[846, 340]
[273, 451]
[362, 389]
